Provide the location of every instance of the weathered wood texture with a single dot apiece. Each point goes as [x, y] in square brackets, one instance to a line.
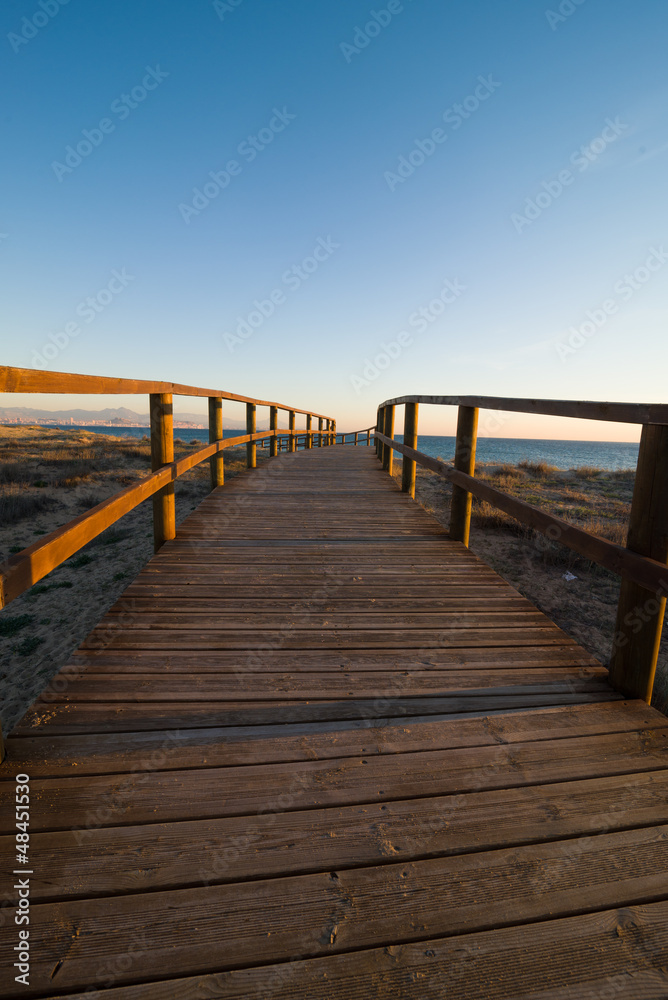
[320, 750]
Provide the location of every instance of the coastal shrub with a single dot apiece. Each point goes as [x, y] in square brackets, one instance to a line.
[15, 472]
[588, 472]
[537, 469]
[16, 505]
[82, 560]
[43, 588]
[89, 500]
[508, 471]
[12, 625]
[28, 646]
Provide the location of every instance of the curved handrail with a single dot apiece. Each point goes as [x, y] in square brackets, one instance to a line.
[642, 564]
[26, 568]
[622, 413]
[29, 380]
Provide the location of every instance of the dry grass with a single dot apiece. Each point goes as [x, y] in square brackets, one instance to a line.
[540, 470]
[17, 504]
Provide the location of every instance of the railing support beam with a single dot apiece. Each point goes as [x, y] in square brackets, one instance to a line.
[162, 452]
[388, 431]
[640, 612]
[467, 436]
[251, 425]
[273, 426]
[216, 434]
[309, 429]
[293, 439]
[410, 440]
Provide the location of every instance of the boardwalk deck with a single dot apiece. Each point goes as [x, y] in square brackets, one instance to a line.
[318, 750]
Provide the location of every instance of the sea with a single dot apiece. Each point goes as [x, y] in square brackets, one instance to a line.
[611, 455]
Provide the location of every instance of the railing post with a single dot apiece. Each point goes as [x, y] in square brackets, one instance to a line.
[309, 426]
[273, 426]
[355, 441]
[388, 431]
[333, 431]
[368, 438]
[410, 440]
[319, 432]
[460, 509]
[640, 612]
[380, 426]
[293, 440]
[251, 426]
[162, 452]
[216, 434]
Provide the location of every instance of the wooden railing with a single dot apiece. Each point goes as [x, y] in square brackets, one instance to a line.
[26, 568]
[641, 564]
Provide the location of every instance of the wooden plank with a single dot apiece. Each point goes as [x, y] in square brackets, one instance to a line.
[324, 639]
[49, 756]
[112, 717]
[572, 659]
[343, 910]
[236, 849]
[614, 953]
[188, 794]
[247, 684]
[323, 621]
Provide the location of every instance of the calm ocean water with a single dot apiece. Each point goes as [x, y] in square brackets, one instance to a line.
[562, 454]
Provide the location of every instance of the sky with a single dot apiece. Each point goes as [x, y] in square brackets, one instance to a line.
[330, 203]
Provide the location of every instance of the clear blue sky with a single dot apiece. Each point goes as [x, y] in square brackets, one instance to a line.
[341, 108]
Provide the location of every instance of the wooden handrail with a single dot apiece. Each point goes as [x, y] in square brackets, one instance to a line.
[26, 568]
[642, 564]
[29, 380]
[644, 571]
[621, 413]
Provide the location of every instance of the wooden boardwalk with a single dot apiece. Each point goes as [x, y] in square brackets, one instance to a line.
[320, 751]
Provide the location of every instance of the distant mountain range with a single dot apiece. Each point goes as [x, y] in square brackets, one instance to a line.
[108, 416]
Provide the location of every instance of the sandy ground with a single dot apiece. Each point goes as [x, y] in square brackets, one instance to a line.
[47, 477]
